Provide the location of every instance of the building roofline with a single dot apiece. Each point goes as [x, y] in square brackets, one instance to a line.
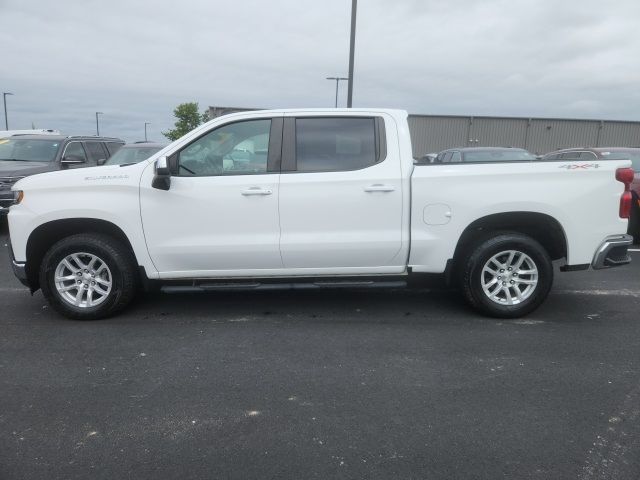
[547, 119]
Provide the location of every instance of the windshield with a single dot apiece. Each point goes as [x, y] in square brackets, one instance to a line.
[633, 155]
[497, 155]
[28, 150]
[132, 155]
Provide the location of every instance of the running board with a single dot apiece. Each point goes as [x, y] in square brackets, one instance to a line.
[240, 286]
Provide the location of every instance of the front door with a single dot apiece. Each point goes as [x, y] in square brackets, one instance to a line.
[220, 215]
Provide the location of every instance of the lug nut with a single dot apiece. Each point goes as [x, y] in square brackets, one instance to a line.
[79, 282]
[502, 270]
[93, 283]
[512, 282]
[499, 278]
[510, 268]
[504, 283]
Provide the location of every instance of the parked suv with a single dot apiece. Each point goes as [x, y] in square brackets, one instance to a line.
[610, 153]
[24, 155]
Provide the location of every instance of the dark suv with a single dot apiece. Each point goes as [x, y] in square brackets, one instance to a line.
[611, 153]
[24, 155]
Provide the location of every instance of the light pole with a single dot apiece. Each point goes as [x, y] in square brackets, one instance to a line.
[4, 99]
[145, 130]
[98, 124]
[337, 79]
[352, 45]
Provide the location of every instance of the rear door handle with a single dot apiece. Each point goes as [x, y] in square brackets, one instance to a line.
[379, 187]
[256, 191]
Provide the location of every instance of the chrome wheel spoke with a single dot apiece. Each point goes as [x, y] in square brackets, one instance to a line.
[518, 293]
[66, 278]
[507, 294]
[77, 260]
[67, 288]
[495, 290]
[79, 296]
[69, 266]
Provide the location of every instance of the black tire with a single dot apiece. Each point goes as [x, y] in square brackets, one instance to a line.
[116, 256]
[634, 223]
[472, 276]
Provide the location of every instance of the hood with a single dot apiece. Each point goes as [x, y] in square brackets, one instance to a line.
[11, 168]
[91, 177]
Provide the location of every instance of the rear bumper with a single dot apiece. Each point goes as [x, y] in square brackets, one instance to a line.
[19, 268]
[613, 252]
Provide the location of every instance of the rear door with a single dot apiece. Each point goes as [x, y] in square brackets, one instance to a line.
[340, 196]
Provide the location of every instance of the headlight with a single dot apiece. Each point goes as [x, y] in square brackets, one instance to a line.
[18, 195]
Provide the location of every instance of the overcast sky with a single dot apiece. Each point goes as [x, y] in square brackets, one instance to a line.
[136, 60]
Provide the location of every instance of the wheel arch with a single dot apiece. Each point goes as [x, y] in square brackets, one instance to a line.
[542, 227]
[47, 234]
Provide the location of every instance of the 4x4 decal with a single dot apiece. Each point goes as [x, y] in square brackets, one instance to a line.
[580, 166]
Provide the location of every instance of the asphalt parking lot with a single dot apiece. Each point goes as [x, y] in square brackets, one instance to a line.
[347, 384]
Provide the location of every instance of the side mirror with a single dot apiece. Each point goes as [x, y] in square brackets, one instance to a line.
[101, 161]
[72, 160]
[162, 177]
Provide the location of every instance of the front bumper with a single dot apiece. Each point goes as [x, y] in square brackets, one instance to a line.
[613, 252]
[19, 268]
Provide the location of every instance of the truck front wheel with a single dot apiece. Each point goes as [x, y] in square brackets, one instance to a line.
[506, 276]
[88, 276]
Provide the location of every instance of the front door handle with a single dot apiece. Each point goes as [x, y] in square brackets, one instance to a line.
[256, 191]
[379, 187]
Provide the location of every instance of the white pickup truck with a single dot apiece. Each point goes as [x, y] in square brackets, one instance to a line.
[313, 199]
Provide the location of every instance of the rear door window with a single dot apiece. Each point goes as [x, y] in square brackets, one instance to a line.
[75, 149]
[113, 147]
[335, 144]
[96, 152]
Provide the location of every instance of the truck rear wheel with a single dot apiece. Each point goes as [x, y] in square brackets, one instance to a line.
[506, 276]
[88, 276]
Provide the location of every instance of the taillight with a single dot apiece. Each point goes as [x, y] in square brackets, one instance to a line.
[625, 175]
[625, 205]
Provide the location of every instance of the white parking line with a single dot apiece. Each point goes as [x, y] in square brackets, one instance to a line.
[621, 293]
[7, 290]
[634, 249]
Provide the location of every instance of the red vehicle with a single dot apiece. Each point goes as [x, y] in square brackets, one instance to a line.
[613, 153]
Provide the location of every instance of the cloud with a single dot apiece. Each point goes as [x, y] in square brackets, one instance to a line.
[135, 61]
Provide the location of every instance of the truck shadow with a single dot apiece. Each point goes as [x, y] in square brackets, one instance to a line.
[325, 306]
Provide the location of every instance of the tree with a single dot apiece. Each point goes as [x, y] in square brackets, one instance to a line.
[187, 118]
